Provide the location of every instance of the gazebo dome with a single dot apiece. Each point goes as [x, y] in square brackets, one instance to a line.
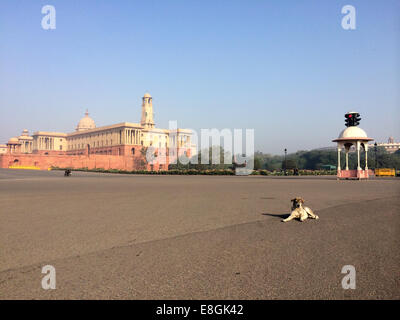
[352, 132]
[147, 95]
[86, 123]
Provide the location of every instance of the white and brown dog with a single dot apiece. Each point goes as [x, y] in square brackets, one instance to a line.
[300, 212]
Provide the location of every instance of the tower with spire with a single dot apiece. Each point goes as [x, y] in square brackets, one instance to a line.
[147, 111]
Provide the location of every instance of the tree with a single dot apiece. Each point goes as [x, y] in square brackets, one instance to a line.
[315, 159]
[140, 161]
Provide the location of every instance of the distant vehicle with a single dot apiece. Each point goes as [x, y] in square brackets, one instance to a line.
[67, 173]
[328, 167]
[385, 172]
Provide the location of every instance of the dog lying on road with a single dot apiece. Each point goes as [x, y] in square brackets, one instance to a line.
[300, 212]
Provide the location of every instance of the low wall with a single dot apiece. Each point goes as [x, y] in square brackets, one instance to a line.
[91, 161]
[359, 174]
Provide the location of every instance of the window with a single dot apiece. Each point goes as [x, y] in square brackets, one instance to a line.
[133, 150]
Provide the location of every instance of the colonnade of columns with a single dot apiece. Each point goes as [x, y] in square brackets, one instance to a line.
[347, 149]
[27, 146]
[132, 136]
[14, 148]
[46, 143]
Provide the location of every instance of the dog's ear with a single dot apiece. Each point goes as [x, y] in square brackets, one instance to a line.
[301, 200]
[293, 200]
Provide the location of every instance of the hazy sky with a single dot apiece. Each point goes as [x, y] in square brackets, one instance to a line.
[284, 68]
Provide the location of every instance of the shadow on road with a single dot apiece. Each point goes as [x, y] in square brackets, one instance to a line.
[280, 216]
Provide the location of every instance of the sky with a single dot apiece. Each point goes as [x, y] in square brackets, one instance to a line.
[286, 69]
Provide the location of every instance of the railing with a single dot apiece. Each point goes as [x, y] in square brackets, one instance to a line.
[385, 172]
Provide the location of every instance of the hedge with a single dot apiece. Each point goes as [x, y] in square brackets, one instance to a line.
[201, 172]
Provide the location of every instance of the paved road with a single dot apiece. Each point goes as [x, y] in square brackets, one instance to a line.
[184, 237]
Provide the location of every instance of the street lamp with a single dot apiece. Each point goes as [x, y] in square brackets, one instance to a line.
[376, 158]
[285, 160]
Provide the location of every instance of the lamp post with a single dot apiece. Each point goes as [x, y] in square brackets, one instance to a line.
[376, 158]
[285, 160]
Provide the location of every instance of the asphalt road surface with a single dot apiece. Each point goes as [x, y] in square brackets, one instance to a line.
[113, 236]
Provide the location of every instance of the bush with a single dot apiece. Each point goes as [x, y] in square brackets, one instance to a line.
[209, 172]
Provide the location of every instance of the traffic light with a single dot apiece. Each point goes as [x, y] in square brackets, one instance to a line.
[348, 119]
[352, 119]
[356, 119]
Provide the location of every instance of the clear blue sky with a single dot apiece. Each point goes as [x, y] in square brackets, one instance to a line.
[285, 68]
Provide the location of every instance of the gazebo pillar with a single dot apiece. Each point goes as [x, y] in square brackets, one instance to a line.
[366, 157]
[347, 159]
[338, 157]
[358, 156]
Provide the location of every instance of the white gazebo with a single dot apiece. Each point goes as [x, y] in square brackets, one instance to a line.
[348, 137]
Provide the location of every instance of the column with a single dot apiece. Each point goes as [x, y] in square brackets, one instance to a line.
[358, 156]
[347, 159]
[366, 159]
[338, 156]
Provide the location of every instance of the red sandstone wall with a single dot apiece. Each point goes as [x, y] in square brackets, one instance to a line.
[92, 161]
[120, 157]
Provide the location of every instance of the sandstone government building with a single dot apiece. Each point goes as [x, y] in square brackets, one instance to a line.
[118, 146]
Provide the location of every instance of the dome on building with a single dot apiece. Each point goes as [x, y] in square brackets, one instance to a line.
[147, 95]
[352, 132]
[13, 140]
[25, 135]
[86, 123]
